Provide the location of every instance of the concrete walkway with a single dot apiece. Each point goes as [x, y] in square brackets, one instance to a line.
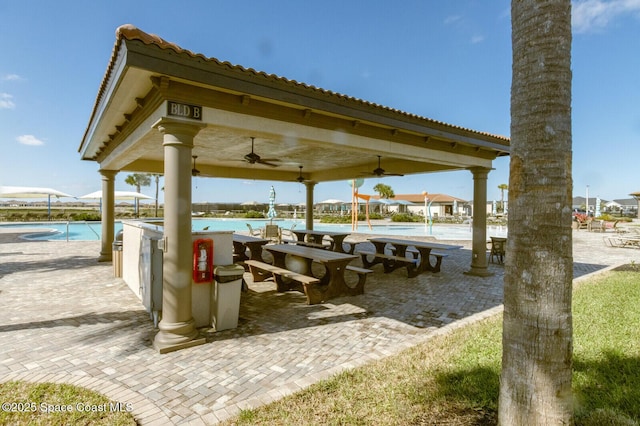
[64, 318]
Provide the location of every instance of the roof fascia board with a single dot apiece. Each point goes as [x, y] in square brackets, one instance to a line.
[103, 101]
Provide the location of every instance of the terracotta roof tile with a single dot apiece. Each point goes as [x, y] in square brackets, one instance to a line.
[131, 32]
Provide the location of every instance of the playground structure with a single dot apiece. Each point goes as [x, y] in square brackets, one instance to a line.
[355, 197]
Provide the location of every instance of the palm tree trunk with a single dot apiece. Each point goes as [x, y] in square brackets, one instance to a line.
[535, 385]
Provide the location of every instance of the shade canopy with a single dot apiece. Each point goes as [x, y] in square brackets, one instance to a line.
[30, 192]
[332, 201]
[119, 195]
[401, 203]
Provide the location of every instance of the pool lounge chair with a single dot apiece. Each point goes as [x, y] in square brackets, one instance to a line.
[622, 241]
[254, 232]
[273, 233]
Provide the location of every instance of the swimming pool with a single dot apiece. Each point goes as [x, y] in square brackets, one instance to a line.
[92, 231]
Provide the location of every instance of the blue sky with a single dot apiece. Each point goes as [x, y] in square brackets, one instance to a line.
[445, 60]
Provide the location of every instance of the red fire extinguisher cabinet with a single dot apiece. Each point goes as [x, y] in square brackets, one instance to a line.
[203, 260]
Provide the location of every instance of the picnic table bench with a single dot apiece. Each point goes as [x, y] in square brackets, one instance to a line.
[400, 249]
[331, 284]
[262, 271]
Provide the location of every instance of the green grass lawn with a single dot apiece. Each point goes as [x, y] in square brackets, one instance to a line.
[454, 379]
[58, 404]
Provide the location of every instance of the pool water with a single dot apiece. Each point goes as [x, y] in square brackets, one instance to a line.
[92, 231]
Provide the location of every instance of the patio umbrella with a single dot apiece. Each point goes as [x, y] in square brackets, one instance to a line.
[271, 213]
[32, 192]
[598, 206]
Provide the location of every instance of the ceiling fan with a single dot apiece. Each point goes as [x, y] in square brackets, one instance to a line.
[253, 158]
[379, 171]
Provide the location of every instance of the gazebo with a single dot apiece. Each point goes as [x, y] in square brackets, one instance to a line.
[161, 107]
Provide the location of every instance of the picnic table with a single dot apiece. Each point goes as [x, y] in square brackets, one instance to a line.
[331, 284]
[242, 243]
[394, 253]
[315, 239]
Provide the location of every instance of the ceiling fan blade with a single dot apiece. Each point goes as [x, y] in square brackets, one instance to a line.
[379, 171]
[267, 163]
[253, 158]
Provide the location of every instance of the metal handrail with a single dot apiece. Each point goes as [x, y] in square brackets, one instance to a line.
[93, 230]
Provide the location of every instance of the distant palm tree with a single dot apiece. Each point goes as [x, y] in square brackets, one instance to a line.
[384, 191]
[138, 180]
[502, 187]
[156, 177]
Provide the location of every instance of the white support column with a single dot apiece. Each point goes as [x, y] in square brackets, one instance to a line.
[177, 327]
[479, 236]
[107, 214]
[309, 213]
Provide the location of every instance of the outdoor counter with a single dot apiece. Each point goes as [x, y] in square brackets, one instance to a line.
[134, 232]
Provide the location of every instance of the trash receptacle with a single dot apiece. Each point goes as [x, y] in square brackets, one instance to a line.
[226, 297]
[117, 255]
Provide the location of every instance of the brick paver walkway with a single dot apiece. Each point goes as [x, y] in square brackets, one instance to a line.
[64, 318]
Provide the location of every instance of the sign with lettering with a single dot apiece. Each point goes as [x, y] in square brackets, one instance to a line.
[183, 110]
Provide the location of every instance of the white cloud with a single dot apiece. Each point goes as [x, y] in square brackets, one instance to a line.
[451, 19]
[12, 77]
[588, 15]
[6, 101]
[477, 39]
[29, 140]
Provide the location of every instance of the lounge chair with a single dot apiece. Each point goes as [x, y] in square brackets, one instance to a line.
[597, 226]
[583, 223]
[273, 233]
[622, 241]
[497, 249]
[254, 232]
[289, 232]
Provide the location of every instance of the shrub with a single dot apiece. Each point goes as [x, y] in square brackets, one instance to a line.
[87, 216]
[405, 217]
[252, 214]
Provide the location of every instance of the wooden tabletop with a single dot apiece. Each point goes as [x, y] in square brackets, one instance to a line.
[314, 232]
[422, 244]
[318, 255]
[241, 238]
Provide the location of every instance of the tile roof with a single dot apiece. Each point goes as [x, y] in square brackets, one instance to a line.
[419, 198]
[130, 32]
